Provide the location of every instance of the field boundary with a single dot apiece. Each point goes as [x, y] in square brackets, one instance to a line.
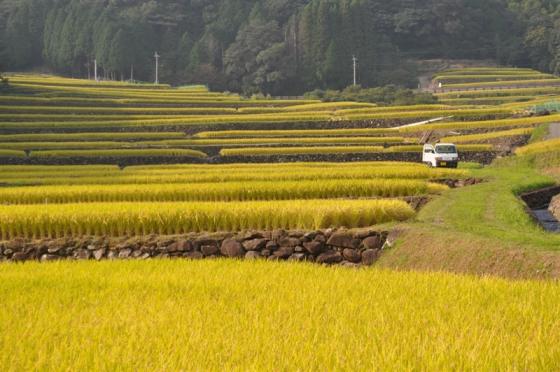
[351, 248]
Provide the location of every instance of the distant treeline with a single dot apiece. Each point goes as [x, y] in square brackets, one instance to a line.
[274, 46]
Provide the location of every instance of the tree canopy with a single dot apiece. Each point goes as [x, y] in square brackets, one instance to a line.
[275, 46]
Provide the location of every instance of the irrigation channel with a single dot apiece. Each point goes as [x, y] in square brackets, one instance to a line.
[538, 202]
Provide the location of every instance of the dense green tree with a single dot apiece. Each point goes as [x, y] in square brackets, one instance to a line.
[275, 46]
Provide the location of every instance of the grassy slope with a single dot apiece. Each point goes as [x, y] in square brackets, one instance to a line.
[228, 315]
[483, 229]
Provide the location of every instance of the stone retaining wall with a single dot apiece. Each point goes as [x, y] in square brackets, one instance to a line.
[485, 157]
[554, 206]
[351, 248]
[191, 129]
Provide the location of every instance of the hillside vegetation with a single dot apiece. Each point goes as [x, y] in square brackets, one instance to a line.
[274, 46]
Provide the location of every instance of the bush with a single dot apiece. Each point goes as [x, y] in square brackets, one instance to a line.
[3, 83]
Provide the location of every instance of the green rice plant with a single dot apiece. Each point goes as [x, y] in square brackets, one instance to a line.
[118, 219]
[119, 153]
[215, 192]
[91, 136]
[258, 151]
[488, 136]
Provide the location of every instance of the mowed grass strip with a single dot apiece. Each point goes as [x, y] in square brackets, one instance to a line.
[226, 191]
[119, 219]
[118, 153]
[134, 313]
[489, 135]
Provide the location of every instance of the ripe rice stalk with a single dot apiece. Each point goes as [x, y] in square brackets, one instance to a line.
[116, 219]
[224, 191]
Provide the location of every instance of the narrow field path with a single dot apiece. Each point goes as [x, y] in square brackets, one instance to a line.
[553, 131]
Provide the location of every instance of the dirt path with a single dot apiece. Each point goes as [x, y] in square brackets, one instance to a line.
[553, 131]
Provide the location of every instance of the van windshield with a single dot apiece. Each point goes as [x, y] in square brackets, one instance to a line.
[446, 149]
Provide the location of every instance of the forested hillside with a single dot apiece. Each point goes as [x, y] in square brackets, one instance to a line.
[274, 46]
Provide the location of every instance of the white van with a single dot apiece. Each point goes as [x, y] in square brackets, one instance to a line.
[440, 155]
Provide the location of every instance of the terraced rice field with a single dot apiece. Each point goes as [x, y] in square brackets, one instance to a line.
[105, 200]
[48, 123]
[68, 150]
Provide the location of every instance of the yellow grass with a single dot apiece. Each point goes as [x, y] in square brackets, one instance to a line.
[256, 316]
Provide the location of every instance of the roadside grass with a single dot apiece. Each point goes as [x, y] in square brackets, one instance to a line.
[235, 315]
[539, 133]
[492, 209]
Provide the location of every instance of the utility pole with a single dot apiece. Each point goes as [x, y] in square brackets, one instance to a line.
[156, 56]
[131, 73]
[95, 69]
[354, 65]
